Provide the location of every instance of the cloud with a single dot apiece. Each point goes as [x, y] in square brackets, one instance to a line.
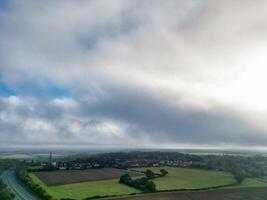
[133, 72]
[58, 121]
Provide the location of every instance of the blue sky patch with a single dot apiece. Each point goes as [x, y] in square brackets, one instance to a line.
[5, 90]
[38, 89]
[4, 4]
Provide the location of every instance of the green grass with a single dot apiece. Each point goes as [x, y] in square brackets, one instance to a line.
[16, 156]
[254, 193]
[87, 189]
[178, 178]
[252, 182]
[181, 178]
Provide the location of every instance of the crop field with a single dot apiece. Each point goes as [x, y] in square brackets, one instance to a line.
[99, 182]
[181, 178]
[219, 194]
[77, 176]
[95, 184]
[80, 191]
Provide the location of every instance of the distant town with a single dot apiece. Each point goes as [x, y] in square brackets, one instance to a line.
[251, 165]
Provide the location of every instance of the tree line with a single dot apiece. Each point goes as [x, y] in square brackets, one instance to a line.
[22, 175]
[5, 193]
[144, 184]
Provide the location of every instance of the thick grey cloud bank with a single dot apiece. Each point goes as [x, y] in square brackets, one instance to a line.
[137, 73]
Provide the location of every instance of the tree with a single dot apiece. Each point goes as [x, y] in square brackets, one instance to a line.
[164, 172]
[5, 192]
[22, 174]
[238, 174]
[125, 178]
[149, 174]
[150, 186]
[239, 178]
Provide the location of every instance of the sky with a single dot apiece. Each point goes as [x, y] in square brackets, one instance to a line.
[130, 73]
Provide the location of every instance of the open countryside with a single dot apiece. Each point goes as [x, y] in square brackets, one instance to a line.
[87, 189]
[174, 176]
[180, 178]
[176, 179]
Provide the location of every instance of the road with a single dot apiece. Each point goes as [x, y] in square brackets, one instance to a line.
[21, 193]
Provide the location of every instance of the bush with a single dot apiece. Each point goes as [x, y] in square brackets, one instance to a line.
[164, 172]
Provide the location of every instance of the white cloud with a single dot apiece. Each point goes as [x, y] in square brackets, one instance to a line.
[198, 56]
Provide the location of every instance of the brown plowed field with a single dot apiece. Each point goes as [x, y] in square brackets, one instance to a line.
[76, 176]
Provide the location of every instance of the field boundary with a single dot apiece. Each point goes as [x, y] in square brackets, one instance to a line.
[163, 191]
[180, 193]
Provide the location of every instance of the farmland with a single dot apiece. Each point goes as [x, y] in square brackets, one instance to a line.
[180, 178]
[79, 184]
[77, 176]
[87, 189]
[252, 183]
[219, 194]
[186, 175]
[177, 178]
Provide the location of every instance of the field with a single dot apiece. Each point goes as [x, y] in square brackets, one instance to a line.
[79, 184]
[77, 176]
[250, 189]
[252, 182]
[219, 194]
[87, 189]
[21, 155]
[100, 182]
[181, 178]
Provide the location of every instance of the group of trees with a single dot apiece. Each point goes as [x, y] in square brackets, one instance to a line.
[151, 175]
[239, 174]
[5, 192]
[22, 174]
[250, 166]
[143, 183]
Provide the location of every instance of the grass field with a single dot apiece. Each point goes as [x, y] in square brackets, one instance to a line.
[220, 194]
[181, 178]
[252, 182]
[178, 178]
[87, 189]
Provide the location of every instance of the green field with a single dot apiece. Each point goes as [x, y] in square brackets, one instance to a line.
[252, 182]
[178, 178]
[254, 193]
[87, 189]
[181, 178]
